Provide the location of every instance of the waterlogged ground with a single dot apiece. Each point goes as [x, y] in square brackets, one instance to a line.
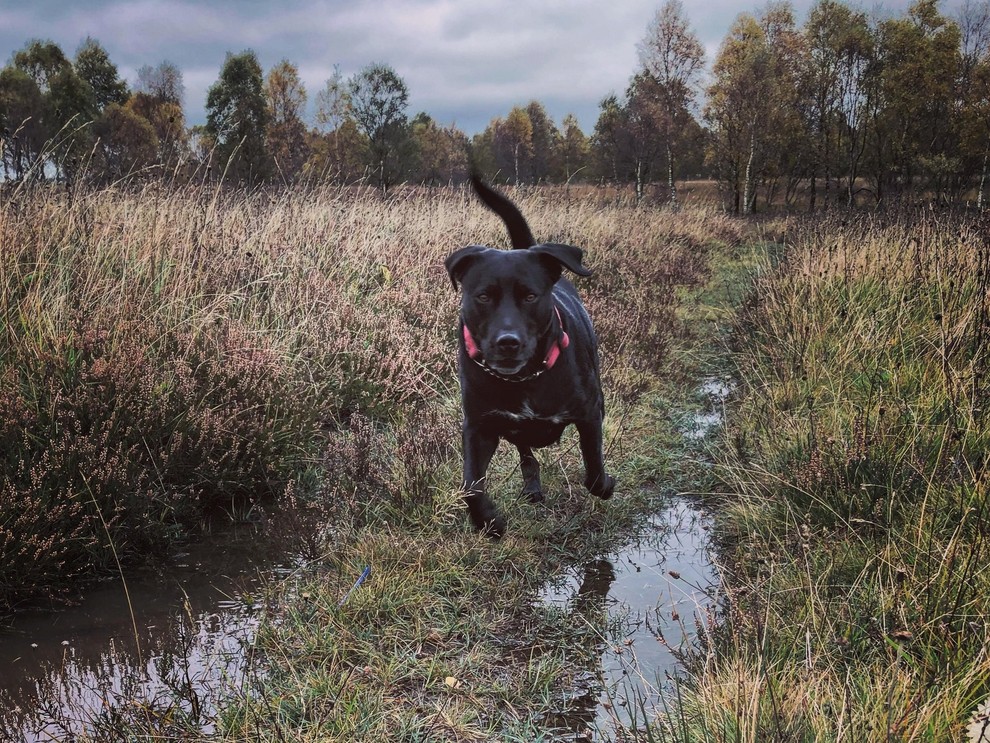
[175, 640]
[182, 640]
[657, 591]
[282, 313]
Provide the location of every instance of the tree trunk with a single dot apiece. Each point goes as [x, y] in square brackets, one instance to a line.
[736, 206]
[983, 180]
[826, 169]
[670, 177]
[748, 179]
[639, 180]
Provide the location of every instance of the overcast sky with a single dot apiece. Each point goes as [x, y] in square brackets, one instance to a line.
[464, 61]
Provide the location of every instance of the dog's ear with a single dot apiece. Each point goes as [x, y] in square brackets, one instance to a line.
[565, 255]
[459, 261]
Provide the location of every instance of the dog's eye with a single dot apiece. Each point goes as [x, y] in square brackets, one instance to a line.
[530, 297]
[484, 297]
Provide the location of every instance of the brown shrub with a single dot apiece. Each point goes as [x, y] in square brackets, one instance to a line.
[167, 354]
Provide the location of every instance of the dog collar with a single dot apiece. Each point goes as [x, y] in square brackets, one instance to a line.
[553, 354]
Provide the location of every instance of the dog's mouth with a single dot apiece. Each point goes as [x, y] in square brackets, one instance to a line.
[506, 367]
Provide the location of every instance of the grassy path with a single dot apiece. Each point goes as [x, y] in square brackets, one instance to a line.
[447, 640]
[293, 353]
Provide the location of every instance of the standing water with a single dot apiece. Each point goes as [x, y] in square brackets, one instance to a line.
[157, 646]
[659, 592]
[178, 645]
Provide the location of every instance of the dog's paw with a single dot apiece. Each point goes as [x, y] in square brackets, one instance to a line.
[494, 527]
[602, 487]
[534, 496]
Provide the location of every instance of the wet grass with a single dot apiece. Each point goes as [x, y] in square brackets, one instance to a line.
[450, 641]
[853, 520]
[293, 356]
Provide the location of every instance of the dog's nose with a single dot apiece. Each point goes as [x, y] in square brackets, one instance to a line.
[508, 343]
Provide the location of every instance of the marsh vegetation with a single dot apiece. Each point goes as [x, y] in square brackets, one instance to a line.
[174, 357]
[288, 360]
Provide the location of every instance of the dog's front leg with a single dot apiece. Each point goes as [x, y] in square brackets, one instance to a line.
[479, 446]
[597, 481]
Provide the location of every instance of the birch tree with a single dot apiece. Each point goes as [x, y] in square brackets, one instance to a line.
[841, 54]
[736, 109]
[286, 133]
[916, 129]
[754, 105]
[672, 53]
[513, 139]
[573, 149]
[379, 98]
[974, 93]
[237, 118]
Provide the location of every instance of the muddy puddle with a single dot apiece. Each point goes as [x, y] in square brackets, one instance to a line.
[168, 643]
[178, 642]
[657, 592]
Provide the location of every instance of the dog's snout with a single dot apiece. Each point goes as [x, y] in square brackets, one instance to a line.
[508, 343]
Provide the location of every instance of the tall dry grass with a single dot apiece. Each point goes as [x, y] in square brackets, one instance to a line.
[170, 354]
[856, 522]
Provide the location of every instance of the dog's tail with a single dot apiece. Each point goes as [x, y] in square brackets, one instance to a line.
[519, 232]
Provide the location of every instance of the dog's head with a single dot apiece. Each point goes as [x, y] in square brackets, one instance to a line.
[506, 299]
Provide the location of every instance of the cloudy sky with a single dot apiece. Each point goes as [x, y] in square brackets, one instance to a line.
[464, 61]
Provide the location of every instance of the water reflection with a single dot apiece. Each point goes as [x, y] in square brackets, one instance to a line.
[654, 596]
[651, 595]
[173, 649]
[599, 575]
[577, 713]
[713, 393]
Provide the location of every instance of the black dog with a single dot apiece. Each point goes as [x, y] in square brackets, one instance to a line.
[528, 359]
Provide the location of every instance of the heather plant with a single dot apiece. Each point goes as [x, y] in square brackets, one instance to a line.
[171, 354]
[855, 518]
[118, 436]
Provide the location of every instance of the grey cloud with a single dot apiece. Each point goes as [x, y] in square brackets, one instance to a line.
[463, 61]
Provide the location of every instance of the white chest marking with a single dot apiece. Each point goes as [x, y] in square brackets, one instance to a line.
[527, 413]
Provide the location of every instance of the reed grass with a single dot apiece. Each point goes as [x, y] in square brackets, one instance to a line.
[289, 358]
[854, 514]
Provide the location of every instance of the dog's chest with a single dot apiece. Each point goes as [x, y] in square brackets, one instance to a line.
[527, 424]
[529, 412]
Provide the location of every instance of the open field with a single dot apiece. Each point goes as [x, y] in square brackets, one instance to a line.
[289, 360]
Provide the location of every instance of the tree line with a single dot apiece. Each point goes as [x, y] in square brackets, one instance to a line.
[850, 106]
[844, 108]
